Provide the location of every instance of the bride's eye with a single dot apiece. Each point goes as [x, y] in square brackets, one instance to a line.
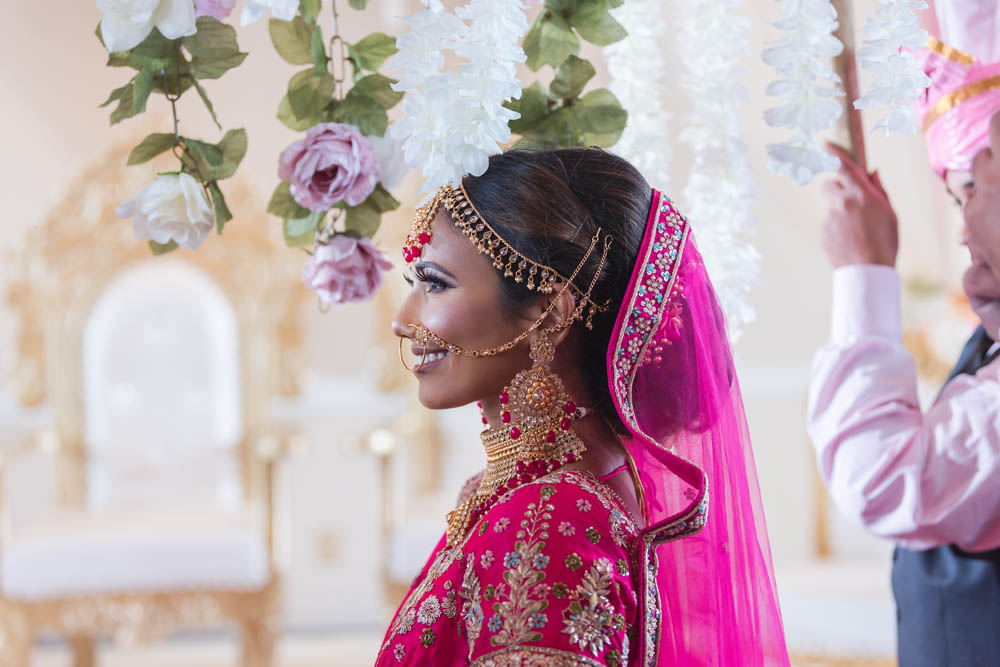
[434, 283]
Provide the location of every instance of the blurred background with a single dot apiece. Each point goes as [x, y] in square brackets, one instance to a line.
[281, 450]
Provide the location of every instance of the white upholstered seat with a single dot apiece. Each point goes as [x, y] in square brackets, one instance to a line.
[75, 553]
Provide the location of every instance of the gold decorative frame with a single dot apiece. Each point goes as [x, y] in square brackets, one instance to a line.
[53, 280]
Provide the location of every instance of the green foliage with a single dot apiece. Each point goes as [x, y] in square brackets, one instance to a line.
[302, 231]
[357, 4]
[560, 117]
[318, 52]
[379, 89]
[308, 93]
[310, 10]
[291, 40]
[283, 205]
[150, 147]
[372, 51]
[214, 50]
[222, 212]
[162, 248]
[214, 162]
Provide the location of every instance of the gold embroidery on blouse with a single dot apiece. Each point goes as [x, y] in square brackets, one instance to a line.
[589, 619]
[472, 610]
[534, 656]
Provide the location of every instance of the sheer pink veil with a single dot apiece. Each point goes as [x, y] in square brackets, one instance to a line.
[708, 578]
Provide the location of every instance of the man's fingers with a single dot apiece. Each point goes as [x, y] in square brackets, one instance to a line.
[848, 166]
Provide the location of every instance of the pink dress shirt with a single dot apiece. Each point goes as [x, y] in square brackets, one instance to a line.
[922, 479]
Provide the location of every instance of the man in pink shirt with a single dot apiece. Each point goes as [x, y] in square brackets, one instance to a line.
[929, 481]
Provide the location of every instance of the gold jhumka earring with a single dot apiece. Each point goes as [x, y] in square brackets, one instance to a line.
[536, 436]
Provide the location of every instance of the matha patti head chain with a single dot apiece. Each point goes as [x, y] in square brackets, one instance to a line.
[535, 436]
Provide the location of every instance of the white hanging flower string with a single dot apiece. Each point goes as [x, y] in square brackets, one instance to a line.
[810, 85]
[900, 78]
[453, 121]
[711, 43]
[638, 84]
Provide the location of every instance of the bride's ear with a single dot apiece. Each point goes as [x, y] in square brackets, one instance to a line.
[565, 304]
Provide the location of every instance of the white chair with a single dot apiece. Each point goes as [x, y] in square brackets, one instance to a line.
[158, 372]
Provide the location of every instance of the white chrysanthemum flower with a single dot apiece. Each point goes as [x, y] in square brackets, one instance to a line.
[810, 87]
[712, 44]
[453, 121]
[899, 77]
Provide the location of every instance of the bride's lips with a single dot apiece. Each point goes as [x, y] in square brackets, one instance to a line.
[431, 357]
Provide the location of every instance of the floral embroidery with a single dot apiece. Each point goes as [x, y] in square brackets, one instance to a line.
[588, 618]
[622, 567]
[613, 658]
[560, 590]
[618, 622]
[489, 592]
[593, 536]
[566, 529]
[495, 623]
[574, 562]
[541, 591]
[427, 637]
[486, 560]
[537, 620]
[511, 559]
[534, 656]
[501, 525]
[406, 623]
[430, 610]
[482, 527]
[583, 505]
[399, 651]
[450, 606]
[472, 612]
[541, 562]
[522, 602]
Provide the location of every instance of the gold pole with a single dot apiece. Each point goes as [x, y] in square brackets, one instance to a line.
[851, 134]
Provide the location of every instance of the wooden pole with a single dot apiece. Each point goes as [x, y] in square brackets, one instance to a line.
[851, 134]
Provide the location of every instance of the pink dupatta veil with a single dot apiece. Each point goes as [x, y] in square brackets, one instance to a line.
[709, 581]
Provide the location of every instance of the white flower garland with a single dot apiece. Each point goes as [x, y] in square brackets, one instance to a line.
[899, 77]
[810, 86]
[453, 121]
[711, 42]
[637, 82]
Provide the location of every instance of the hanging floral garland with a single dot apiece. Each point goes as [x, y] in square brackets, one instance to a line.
[892, 32]
[637, 83]
[810, 85]
[711, 43]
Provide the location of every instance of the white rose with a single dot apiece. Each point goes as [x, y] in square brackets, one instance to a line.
[171, 208]
[392, 168]
[127, 22]
[280, 9]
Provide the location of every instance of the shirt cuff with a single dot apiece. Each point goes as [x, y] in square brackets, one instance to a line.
[866, 302]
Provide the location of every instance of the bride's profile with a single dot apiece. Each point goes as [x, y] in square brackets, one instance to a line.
[618, 518]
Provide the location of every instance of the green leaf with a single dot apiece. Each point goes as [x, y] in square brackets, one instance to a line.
[217, 162]
[213, 40]
[142, 86]
[318, 52]
[363, 219]
[208, 103]
[222, 212]
[571, 78]
[372, 51]
[601, 140]
[150, 147]
[362, 112]
[117, 94]
[599, 112]
[291, 40]
[162, 248]
[124, 108]
[117, 60]
[302, 231]
[308, 93]
[213, 69]
[555, 130]
[290, 120]
[283, 205]
[379, 89]
[550, 41]
[310, 10]
[533, 107]
[234, 148]
[156, 53]
[357, 4]
[382, 200]
[595, 24]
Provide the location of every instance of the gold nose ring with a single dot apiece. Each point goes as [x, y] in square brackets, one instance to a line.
[423, 357]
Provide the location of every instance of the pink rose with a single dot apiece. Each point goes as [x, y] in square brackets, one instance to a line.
[217, 9]
[334, 162]
[346, 269]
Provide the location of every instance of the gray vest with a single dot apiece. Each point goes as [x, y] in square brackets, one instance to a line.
[948, 600]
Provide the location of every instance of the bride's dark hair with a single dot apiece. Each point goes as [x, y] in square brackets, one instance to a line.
[549, 205]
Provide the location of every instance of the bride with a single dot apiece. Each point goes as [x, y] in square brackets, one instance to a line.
[567, 298]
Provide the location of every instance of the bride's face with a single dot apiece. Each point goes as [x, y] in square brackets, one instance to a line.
[456, 294]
